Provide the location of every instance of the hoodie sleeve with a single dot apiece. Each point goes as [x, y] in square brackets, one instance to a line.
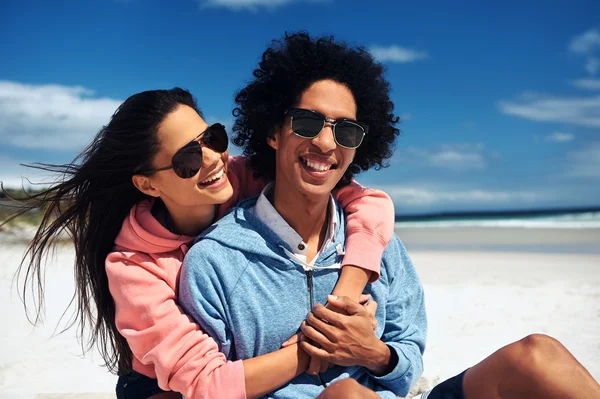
[202, 293]
[405, 328]
[160, 334]
[369, 225]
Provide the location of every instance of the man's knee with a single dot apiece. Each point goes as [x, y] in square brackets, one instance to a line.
[347, 388]
[542, 347]
[534, 352]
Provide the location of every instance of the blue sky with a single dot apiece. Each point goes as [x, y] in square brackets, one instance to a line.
[500, 101]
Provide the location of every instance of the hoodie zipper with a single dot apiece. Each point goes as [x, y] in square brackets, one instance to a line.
[311, 303]
[309, 283]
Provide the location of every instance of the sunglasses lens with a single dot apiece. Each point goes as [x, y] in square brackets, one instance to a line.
[349, 134]
[216, 138]
[306, 124]
[187, 161]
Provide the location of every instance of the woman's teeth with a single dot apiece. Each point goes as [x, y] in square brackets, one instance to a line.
[213, 177]
[319, 167]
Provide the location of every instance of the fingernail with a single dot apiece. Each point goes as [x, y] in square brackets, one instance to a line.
[332, 297]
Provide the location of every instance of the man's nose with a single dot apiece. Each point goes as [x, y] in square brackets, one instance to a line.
[325, 141]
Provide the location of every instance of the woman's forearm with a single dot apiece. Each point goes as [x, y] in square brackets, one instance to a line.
[266, 373]
[352, 282]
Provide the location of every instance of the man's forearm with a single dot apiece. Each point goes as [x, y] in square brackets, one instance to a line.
[266, 373]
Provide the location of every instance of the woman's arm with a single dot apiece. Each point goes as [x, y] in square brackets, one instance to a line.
[266, 373]
[172, 346]
[369, 228]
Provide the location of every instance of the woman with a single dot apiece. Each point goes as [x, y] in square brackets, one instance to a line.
[151, 180]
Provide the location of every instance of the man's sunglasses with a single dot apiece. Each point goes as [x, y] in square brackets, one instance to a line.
[187, 161]
[309, 124]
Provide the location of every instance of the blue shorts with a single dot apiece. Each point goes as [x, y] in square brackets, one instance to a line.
[137, 386]
[452, 388]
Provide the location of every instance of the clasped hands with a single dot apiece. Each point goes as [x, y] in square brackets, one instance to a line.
[342, 333]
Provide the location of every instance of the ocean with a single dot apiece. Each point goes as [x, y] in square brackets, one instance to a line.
[541, 232]
[549, 220]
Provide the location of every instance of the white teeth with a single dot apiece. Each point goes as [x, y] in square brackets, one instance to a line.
[213, 178]
[320, 167]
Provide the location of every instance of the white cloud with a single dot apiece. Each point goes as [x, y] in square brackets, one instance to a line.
[397, 54]
[585, 162]
[586, 42]
[51, 117]
[558, 137]
[587, 84]
[424, 196]
[251, 5]
[588, 45]
[584, 111]
[593, 65]
[457, 156]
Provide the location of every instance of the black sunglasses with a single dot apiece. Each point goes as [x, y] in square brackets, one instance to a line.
[347, 133]
[187, 161]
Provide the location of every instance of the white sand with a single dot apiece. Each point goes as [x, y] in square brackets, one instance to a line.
[476, 301]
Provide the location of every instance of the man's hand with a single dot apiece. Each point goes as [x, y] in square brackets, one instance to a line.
[346, 340]
[371, 307]
[317, 364]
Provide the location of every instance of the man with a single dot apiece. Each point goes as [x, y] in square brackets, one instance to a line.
[317, 113]
[251, 281]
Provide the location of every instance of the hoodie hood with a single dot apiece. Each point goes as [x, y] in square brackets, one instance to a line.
[256, 238]
[143, 233]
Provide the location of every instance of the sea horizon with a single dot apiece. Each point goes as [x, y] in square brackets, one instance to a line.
[569, 218]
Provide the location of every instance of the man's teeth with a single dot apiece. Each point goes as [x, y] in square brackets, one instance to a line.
[213, 177]
[320, 167]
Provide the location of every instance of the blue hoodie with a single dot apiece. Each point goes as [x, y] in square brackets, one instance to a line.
[240, 286]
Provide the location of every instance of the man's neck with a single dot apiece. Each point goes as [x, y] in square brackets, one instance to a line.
[307, 216]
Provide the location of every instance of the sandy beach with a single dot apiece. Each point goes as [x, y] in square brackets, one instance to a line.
[497, 288]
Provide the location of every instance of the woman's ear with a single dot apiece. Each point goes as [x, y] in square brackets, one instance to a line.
[144, 184]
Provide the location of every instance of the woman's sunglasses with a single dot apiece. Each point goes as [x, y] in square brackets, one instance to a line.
[309, 124]
[187, 161]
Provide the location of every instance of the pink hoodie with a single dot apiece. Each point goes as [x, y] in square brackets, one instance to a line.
[144, 268]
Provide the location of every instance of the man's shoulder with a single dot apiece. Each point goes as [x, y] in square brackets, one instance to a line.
[395, 257]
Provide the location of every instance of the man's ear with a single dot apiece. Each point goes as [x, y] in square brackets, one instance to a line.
[273, 139]
[144, 184]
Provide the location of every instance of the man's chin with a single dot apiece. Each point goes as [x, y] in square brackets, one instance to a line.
[315, 191]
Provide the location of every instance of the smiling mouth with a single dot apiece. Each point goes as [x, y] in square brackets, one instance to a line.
[213, 179]
[317, 166]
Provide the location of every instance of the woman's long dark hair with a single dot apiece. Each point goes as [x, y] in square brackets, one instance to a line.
[89, 202]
